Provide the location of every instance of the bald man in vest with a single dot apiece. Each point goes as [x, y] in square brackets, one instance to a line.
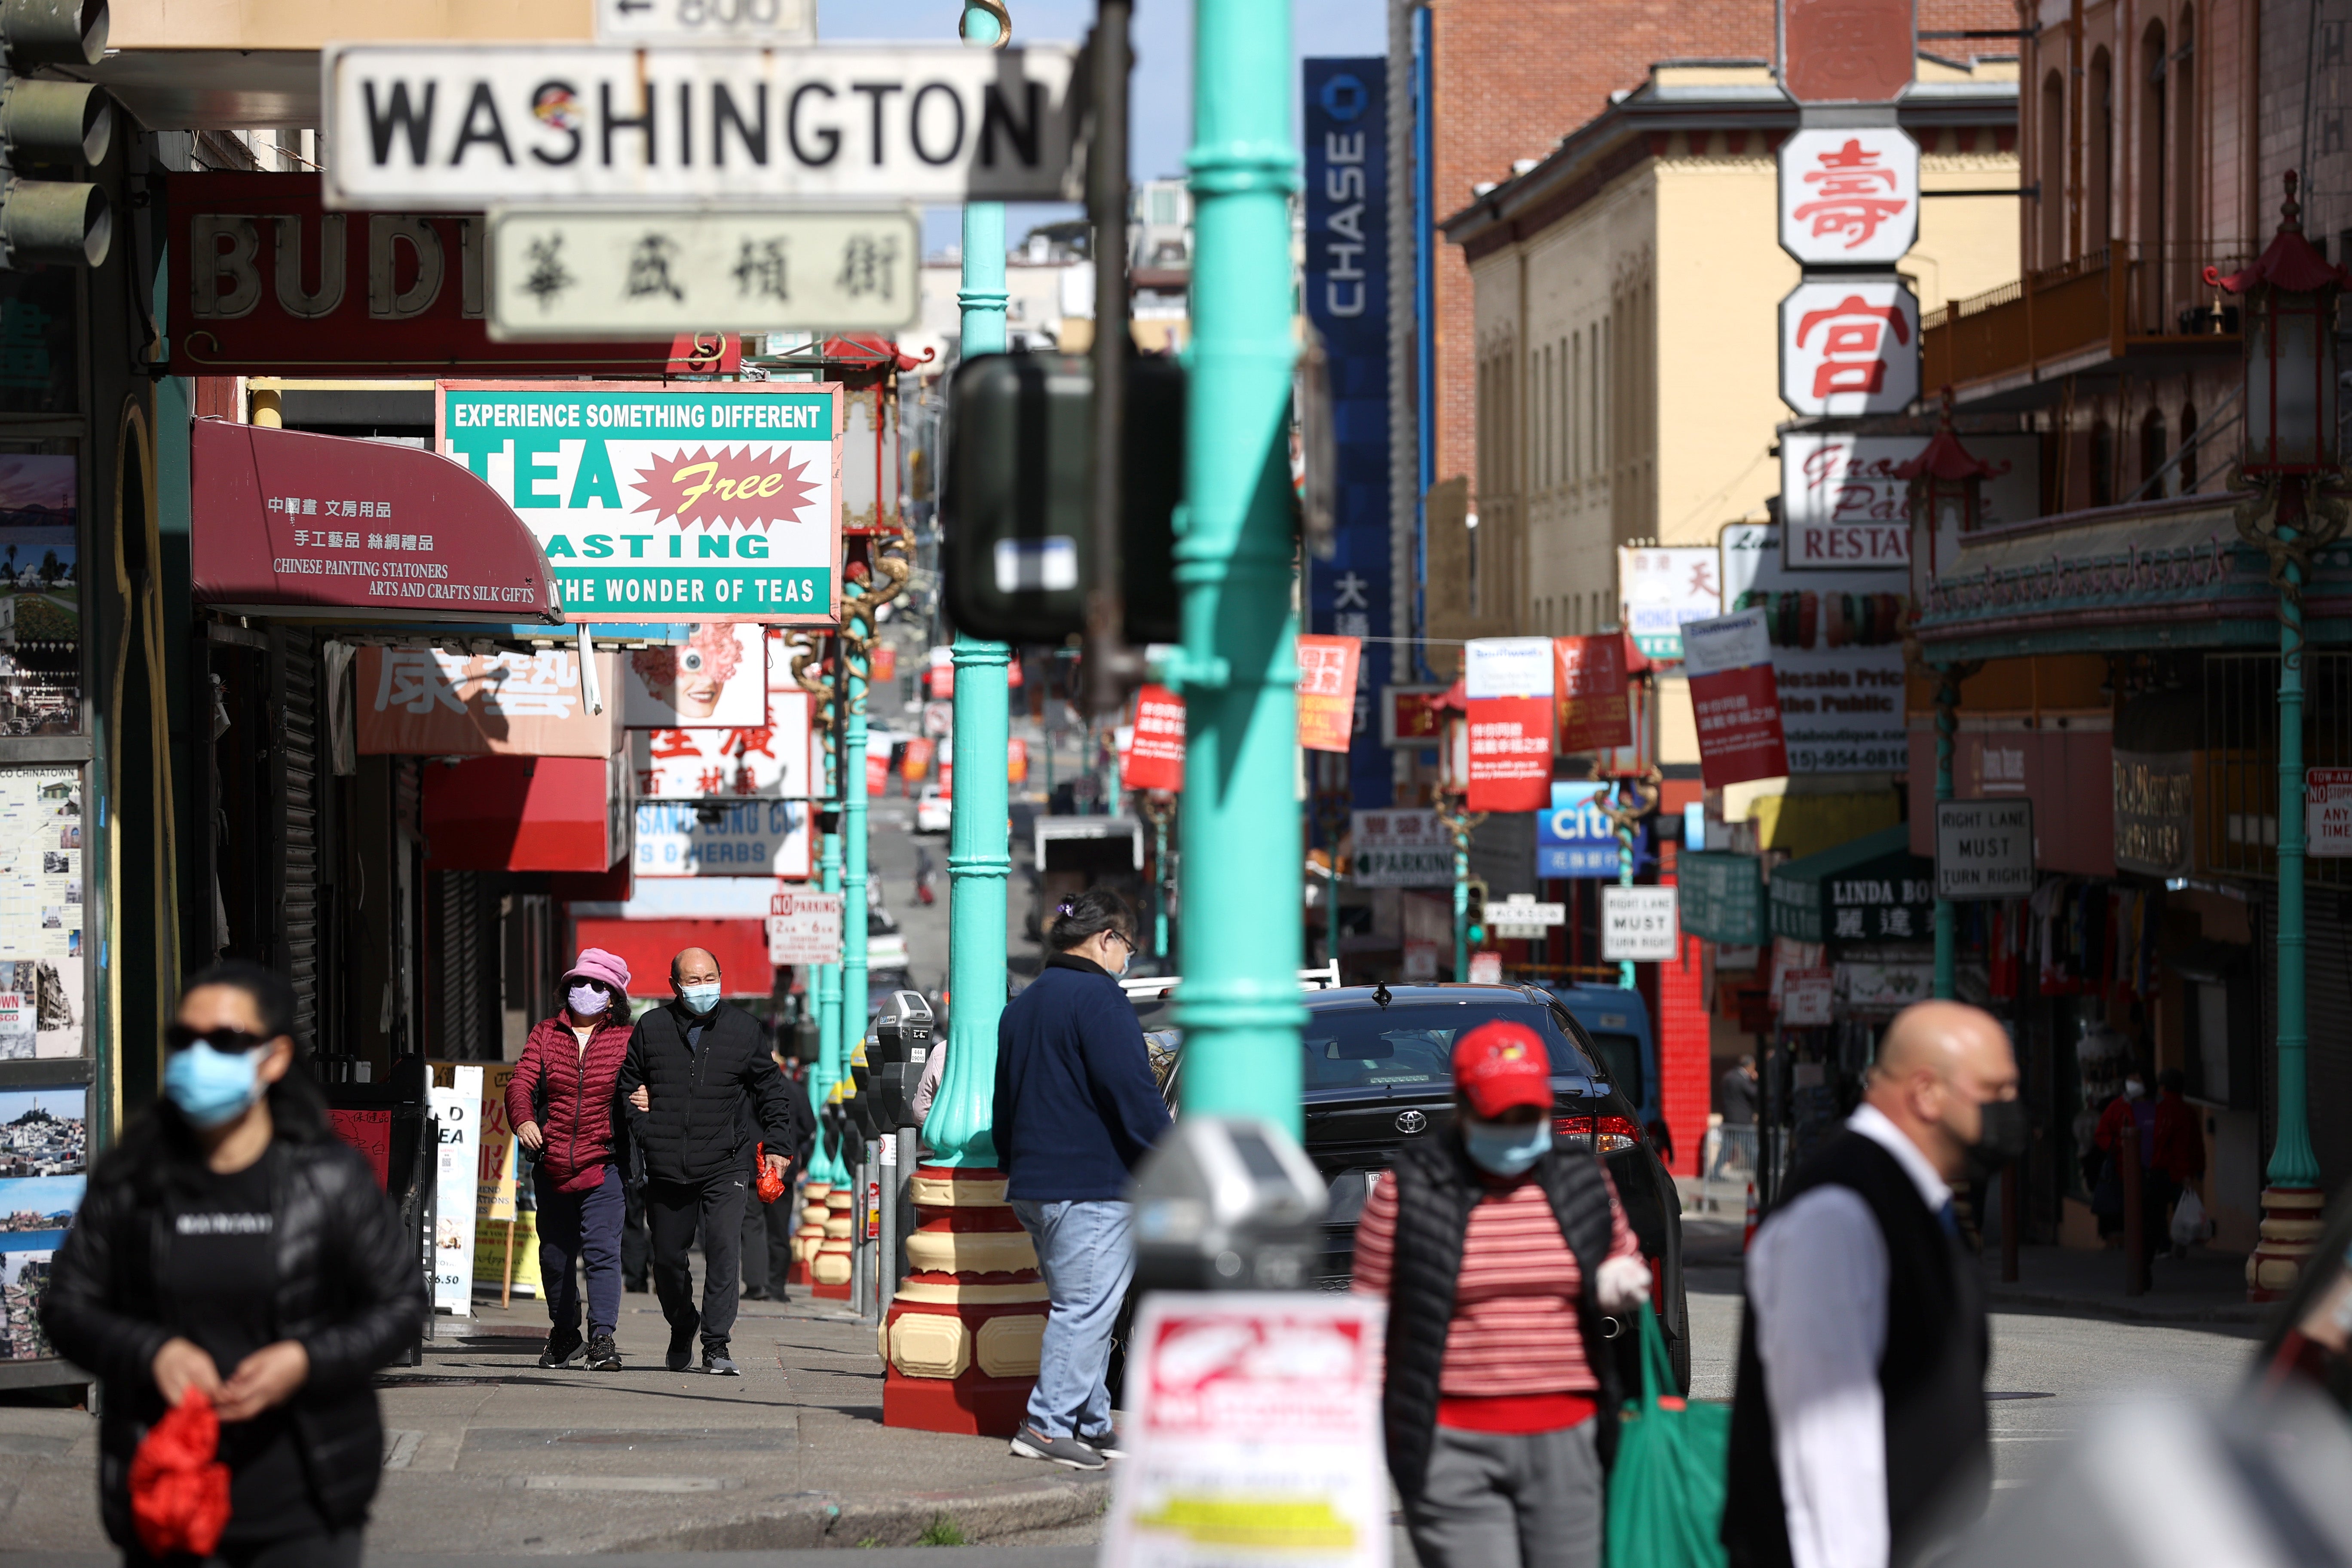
[1858, 1431]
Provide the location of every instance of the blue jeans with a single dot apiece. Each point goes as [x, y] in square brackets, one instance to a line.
[1087, 1252]
[583, 1227]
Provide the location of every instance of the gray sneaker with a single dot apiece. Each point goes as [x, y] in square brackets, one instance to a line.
[1029, 1442]
[716, 1365]
[1105, 1443]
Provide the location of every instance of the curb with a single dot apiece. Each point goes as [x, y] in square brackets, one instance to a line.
[2246, 1316]
[828, 1519]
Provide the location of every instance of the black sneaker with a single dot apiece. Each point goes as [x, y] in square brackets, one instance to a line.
[1029, 1442]
[604, 1355]
[716, 1363]
[681, 1352]
[564, 1348]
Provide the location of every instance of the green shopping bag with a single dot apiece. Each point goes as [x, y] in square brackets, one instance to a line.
[1665, 1492]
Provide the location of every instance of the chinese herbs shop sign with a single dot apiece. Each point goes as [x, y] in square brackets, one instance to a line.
[661, 504]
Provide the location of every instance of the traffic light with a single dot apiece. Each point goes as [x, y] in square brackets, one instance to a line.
[1013, 498]
[1475, 918]
[52, 128]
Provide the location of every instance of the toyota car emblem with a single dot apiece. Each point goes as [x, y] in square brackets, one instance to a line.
[1410, 1121]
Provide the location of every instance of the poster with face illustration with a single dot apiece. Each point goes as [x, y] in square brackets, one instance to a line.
[717, 678]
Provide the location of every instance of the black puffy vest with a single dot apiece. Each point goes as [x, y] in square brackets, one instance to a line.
[1437, 1187]
[1939, 1456]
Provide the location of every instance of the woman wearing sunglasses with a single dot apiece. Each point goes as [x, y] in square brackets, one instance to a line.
[231, 1245]
[560, 1101]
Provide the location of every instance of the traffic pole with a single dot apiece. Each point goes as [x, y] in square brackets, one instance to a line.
[1239, 1005]
[854, 655]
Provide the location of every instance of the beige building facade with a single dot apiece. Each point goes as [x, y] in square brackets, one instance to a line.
[1627, 295]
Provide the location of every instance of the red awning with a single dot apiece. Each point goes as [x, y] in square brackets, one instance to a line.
[333, 528]
[739, 945]
[526, 814]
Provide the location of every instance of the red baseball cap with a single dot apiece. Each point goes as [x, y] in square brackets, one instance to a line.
[1500, 1064]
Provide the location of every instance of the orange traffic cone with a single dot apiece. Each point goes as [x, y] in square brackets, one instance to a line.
[1747, 1233]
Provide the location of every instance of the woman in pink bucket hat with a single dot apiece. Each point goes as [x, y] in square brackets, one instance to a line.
[560, 1104]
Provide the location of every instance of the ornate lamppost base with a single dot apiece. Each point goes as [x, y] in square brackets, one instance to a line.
[810, 1236]
[829, 1267]
[959, 1343]
[2292, 1218]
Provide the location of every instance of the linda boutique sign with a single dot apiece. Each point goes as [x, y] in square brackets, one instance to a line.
[660, 504]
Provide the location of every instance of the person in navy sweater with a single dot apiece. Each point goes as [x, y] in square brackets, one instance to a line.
[1076, 1109]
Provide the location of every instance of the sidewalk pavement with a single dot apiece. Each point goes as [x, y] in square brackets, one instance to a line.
[485, 1452]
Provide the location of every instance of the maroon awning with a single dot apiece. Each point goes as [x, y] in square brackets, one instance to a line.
[334, 528]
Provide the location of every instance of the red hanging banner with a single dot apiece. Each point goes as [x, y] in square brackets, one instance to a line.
[1589, 686]
[1327, 691]
[917, 762]
[1508, 684]
[1735, 699]
[1155, 760]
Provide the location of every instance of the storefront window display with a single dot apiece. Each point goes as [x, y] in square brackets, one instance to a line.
[44, 1155]
[41, 591]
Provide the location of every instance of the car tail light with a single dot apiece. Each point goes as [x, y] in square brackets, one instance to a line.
[1613, 1132]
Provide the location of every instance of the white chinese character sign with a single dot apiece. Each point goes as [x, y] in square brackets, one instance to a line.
[1850, 346]
[1849, 197]
[429, 702]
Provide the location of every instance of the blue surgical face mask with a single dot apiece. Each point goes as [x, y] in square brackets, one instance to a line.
[700, 998]
[1504, 1150]
[212, 1087]
[586, 1001]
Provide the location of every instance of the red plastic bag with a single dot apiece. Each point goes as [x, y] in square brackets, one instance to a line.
[771, 1185]
[179, 1488]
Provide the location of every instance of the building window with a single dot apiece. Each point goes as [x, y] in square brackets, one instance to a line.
[2188, 471]
[2151, 455]
[2052, 203]
[2099, 153]
[2102, 464]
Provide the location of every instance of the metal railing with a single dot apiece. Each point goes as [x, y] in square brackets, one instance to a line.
[2105, 299]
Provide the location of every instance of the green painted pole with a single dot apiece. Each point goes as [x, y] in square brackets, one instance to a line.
[1948, 702]
[1239, 1005]
[853, 838]
[829, 1056]
[1159, 884]
[1624, 830]
[2292, 1163]
[1460, 907]
[980, 852]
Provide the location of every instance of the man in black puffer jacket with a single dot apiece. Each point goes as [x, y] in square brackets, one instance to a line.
[694, 1065]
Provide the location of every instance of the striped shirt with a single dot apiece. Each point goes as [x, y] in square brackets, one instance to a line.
[1514, 1329]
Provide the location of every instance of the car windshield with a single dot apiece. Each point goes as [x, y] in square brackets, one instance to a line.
[1408, 1047]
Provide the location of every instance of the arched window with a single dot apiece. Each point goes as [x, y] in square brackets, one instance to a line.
[2103, 464]
[2098, 152]
[2181, 274]
[2186, 473]
[2150, 187]
[2052, 203]
[2152, 453]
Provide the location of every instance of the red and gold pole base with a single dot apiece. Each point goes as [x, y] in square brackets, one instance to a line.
[2292, 1218]
[811, 1234]
[959, 1342]
[829, 1264]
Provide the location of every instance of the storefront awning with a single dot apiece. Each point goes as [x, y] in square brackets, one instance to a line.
[1722, 897]
[1873, 890]
[527, 813]
[331, 528]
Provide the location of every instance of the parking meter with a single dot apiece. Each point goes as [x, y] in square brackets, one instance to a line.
[858, 1095]
[902, 1035]
[1228, 1204]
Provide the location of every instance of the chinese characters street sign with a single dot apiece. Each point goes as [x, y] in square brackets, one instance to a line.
[425, 702]
[1508, 684]
[1849, 197]
[1402, 849]
[1734, 700]
[654, 503]
[1327, 691]
[467, 126]
[761, 22]
[772, 761]
[1850, 345]
[1589, 686]
[1661, 589]
[616, 275]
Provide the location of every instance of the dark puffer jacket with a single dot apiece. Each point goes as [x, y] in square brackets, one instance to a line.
[577, 1127]
[349, 1288]
[1437, 1187]
[694, 1130]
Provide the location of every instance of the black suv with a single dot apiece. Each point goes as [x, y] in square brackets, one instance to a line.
[1378, 1071]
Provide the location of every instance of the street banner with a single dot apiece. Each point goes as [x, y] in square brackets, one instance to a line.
[1155, 759]
[878, 771]
[716, 679]
[424, 702]
[1575, 838]
[723, 838]
[1850, 345]
[1984, 848]
[261, 279]
[915, 764]
[1589, 685]
[1345, 291]
[1254, 1434]
[1412, 715]
[804, 928]
[470, 125]
[1836, 640]
[1016, 760]
[1401, 848]
[1508, 684]
[1663, 586]
[457, 1106]
[666, 503]
[1639, 925]
[1805, 998]
[584, 273]
[1849, 197]
[2327, 812]
[1734, 700]
[1327, 691]
[775, 761]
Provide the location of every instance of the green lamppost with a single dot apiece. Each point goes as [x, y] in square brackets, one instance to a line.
[810, 674]
[2297, 496]
[852, 809]
[980, 852]
[1239, 1005]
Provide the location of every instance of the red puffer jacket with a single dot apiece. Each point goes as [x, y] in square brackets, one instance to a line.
[578, 1127]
